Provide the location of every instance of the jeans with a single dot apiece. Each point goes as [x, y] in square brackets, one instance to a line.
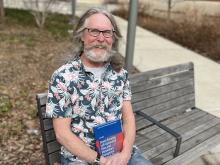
[136, 159]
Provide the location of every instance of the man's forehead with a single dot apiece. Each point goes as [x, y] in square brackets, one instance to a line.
[98, 20]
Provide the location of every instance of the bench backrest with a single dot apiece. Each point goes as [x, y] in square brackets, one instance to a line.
[165, 92]
[50, 145]
[169, 90]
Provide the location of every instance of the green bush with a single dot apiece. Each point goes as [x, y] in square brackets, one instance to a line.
[57, 24]
[22, 17]
[5, 104]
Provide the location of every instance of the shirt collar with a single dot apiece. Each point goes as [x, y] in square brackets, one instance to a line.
[82, 68]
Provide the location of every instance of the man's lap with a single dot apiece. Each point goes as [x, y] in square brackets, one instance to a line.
[136, 158]
[65, 161]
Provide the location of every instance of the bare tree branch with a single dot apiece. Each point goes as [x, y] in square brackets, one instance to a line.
[170, 5]
[39, 9]
[2, 12]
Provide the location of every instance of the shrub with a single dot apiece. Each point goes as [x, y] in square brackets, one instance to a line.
[5, 104]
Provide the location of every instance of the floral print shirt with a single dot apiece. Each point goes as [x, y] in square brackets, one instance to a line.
[77, 94]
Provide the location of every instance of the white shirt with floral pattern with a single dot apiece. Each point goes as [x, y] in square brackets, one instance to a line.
[75, 93]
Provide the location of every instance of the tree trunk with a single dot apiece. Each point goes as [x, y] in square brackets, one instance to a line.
[169, 9]
[73, 10]
[2, 12]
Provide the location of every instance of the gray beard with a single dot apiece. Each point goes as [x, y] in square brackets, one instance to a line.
[102, 58]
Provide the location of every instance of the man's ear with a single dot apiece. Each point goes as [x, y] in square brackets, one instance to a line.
[82, 37]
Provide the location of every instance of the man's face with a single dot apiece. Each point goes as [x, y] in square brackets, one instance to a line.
[97, 45]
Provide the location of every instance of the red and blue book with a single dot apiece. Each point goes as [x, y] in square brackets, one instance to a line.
[109, 137]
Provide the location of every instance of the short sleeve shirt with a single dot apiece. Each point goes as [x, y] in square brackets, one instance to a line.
[75, 93]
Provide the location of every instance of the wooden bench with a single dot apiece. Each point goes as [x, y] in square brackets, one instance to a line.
[166, 98]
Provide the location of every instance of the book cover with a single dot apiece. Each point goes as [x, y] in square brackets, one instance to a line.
[109, 137]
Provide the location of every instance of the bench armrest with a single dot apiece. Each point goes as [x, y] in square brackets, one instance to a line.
[167, 129]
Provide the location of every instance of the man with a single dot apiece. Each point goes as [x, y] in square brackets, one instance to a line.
[86, 92]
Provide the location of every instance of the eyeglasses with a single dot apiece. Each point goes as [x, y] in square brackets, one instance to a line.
[96, 32]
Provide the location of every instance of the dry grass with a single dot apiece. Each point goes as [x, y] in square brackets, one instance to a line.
[28, 56]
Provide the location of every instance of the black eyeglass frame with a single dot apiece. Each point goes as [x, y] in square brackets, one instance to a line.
[96, 32]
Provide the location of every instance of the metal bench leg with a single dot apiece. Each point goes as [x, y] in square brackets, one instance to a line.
[167, 129]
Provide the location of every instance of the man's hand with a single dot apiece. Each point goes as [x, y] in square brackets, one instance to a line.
[103, 160]
[121, 158]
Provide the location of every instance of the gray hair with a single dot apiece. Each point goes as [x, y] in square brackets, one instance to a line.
[81, 26]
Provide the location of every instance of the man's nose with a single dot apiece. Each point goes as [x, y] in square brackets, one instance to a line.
[101, 37]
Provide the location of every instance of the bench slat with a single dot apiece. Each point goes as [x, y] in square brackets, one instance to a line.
[148, 93]
[164, 115]
[148, 75]
[47, 124]
[155, 131]
[205, 129]
[207, 140]
[169, 121]
[43, 111]
[188, 132]
[53, 146]
[42, 97]
[50, 135]
[54, 157]
[156, 82]
[165, 141]
[164, 106]
[162, 99]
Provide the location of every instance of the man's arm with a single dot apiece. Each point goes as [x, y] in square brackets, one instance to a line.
[129, 128]
[71, 142]
[129, 131]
